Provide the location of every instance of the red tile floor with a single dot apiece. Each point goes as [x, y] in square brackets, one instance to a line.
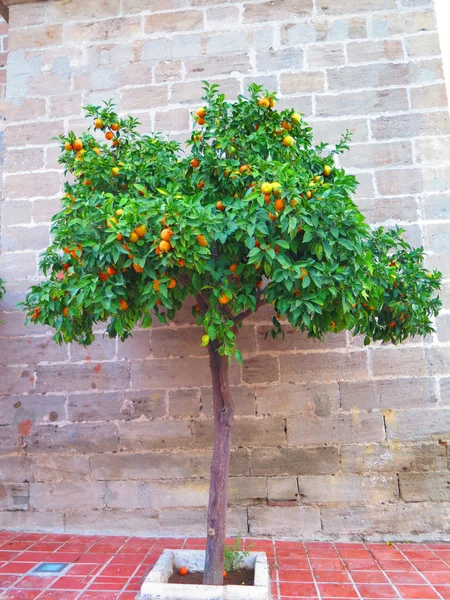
[113, 567]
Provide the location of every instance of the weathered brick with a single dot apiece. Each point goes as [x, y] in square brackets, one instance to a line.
[274, 11]
[219, 17]
[87, 376]
[300, 522]
[303, 82]
[294, 461]
[13, 324]
[438, 358]
[329, 55]
[172, 120]
[388, 393]
[226, 43]
[136, 346]
[382, 75]
[284, 58]
[37, 238]
[296, 340]
[246, 490]
[374, 51]
[313, 399]
[153, 435]
[80, 496]
[16, 212]
[36, 408]
[16, 380]
[10, 439]
[143, 97]
[366, 156]
[35, 37]
[411, 125]
[392, 519]
[211, 66]
[393, 458]
[102, 348]
[407, 362]
[243, 398]
[349, 6]
[194, 521]
[65, 105]
[29, 350]
[14, 496]
[304, 367]
[136, 495]
[81, 438]
[97, 31]
[138, 6]
[15, 469]
[162, 373]
[359, 427]
[423, 45]
[60, 468]
[39, 132]
[185, 403]
[247, 432]
[331, 131]
[43, 209]
[282, 488]
[22, 15]
[180, 342]
[262, 368]
[425, 487]
[116, 406]
[190, 92]
[427, 149]
[24, 159]
[443, 327]
[399, 181]
[436, 206]
[167, 70]
[347, 489]
[378, 210]
[419, 424]
[177, 21]
[324, 30]
[400, 22]
[112, 522]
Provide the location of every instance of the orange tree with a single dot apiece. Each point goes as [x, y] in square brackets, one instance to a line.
[253, 214]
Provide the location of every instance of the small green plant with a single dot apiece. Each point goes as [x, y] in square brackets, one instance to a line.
[234, 555]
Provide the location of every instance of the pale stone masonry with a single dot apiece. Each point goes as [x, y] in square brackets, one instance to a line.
[331, 440]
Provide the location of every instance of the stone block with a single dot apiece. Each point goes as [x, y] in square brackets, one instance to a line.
[392, 362]
[114, 522]
[361, 103]
[247, 431]
[25, 158]
[185, 403]
[388, 393]
[347, 489]
[35, 37]
[32, 521]
[86, 495]
[270, 11]
[393, 457]
[310, 399]
[246, 490]
[37, 408]
[103, 30]
[324, 367]
[403, 22]
[60, 468]
[366, 156]
[226, 43]
[219, 17]
[140, 98]
[83, 377]
[102, 348]
[331, 131]
[16, 469]
[81, 438]
[358, 427]
[305, 82]
[420, 424]
[180, 342]
[374, 51]
[30, 350]
[177, 21]
[243, 398]
[137, 346]
[17, 380]
[328, 7]
[283, 58]
[294, 461]
[37, 133]
[169, 374]
[14, 496]
[262, 368]
[194, 521]
[153, 435]
[410, 125]
[300, 522]
[296, 340]
[330, 55]
[423, 45]
[35, 237]
[425, 487]
[282, 489]
[140, 494]
[429, 96]
[211, 66]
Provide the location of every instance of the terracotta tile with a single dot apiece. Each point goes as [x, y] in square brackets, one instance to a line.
[375, 590]
[405, 577]
[30, 556]
[297, 589]
[337, 590]
[118, 570]
[58, 595]
[431, 565]
[424, 592]
[7, 580]
[8, 555]
[442, 578]
[369, 577]
[360, 564]
[292, 563]
[395, 565]
[35, 582]
[17, 567]
[444, 591]
[295, 575]
[69, 583]
[332, 577]
[327, 564]
[16, 545]
[14, 594]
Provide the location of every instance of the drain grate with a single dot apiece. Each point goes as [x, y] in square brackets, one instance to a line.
[50, 568]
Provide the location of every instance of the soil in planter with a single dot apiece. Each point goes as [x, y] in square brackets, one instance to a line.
[242, 576]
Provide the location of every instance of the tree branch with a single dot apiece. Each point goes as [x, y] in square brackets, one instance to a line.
[243, 315]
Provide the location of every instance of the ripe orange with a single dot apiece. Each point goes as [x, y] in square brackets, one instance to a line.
[304, 273]
[257, 244]
[119, 212]
[309, 194]
[195, 163]
[271, 102]
[66, 250]
[233, 268]
[223, 299]
[164, 246]
[201, 111]
[259, 284]
[180, 261]
[279, 205]
[134, 237]
[123, 304]
[156, 285]
[224, 573]
[68, 146]
[333, 324]
[166, 234]
[87, 182]
[137, 268]
[244, 169]
[116, 142]
[110, 222]
[111, 270]
[288, 141]
[393, 324]
[201, 184]
[103, 276]
[183, 571]
[296, 117]
[172, 283]
[264, 102]
[286, 125]
[115, 171]
[327, 170]
[317, 178]
[141, 230]
[273, 217]
[276, 188]
[220, 205]
[119, 237]
[97, 151]
[115, 126]
[267, 198]
[202, 240]
[197, 137]
[109, 135]
[158, 250]
[98, 124]
[266, 188]
[294, 202]
[201, 121]
[66, 312]
[78, 144]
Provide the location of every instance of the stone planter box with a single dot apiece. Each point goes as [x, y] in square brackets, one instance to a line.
[155, 586]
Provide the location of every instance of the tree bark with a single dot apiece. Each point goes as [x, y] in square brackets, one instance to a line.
[218, 487]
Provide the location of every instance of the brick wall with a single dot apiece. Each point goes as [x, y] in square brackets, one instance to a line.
[331, 440]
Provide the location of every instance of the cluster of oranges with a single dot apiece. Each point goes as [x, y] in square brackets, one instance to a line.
[165, 245]
[36, 313]
[269, 189]
[109, 135]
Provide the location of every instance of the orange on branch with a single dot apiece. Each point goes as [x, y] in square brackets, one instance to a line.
[98, 124]
[201, 111]
[195, 163]
[138, 268]
[141, 230]
[164, 246]
[223, 299]
[220, 206]
[68, 146]
[172, 283]
[279, 205]
[109, 135]
[134, 237]
[264, 102]
[78, 144]
[123, 304]
[166, 234]
[202, 240]
[115, 126]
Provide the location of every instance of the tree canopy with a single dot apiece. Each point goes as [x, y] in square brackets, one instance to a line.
[252, 213]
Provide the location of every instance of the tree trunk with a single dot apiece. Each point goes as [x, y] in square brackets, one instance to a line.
[218, 486]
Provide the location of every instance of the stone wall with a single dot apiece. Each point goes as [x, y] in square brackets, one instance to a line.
[331, 440]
